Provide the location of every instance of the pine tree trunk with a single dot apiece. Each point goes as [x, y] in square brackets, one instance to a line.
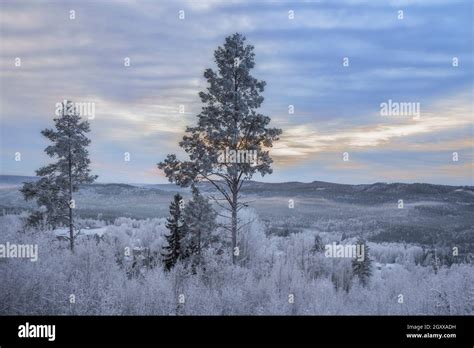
[235, 181]
[234, 226]
[71, 229]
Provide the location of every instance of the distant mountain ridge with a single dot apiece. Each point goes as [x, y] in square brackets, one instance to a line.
[16, 179]
[293, 186]
[431, 212]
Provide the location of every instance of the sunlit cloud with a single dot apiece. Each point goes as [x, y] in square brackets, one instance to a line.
[137, 107]
[302, 142]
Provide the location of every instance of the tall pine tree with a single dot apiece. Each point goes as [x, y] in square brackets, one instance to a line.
[228, 121]
[59, 180]
[363, 269]
[175, 224]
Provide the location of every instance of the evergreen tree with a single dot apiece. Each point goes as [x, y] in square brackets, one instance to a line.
[52, 203]
[59, 180]
[175, 224]
[200, 220]
[363, 269]
[318, 245]
[228, 121]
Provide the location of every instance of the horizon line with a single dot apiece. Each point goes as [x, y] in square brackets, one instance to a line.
[267, 182]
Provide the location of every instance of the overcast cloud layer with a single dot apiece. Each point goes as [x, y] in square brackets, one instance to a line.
[337, 108]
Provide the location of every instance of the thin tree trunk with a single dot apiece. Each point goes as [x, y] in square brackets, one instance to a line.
[198, 259]
[71, 230]
[235, 182]
[234, 226]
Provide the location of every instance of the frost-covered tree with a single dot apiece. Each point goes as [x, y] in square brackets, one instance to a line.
[53, 206]
[60, 179]
[363, 269]
[228, 123]
[175, 224]
[432, 259]
[318, 245]
[200, 220]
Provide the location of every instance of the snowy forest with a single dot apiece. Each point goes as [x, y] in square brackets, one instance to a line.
[217, 241]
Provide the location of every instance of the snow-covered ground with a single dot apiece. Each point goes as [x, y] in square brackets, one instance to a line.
[64, 232]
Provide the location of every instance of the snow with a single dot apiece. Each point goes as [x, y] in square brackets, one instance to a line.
[462, 190]
[272, 268]
[64, 232]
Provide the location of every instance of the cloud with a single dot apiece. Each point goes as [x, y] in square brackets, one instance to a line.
[303, 142]
[300, 59]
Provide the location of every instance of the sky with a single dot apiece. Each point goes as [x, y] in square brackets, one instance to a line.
[335, 62]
